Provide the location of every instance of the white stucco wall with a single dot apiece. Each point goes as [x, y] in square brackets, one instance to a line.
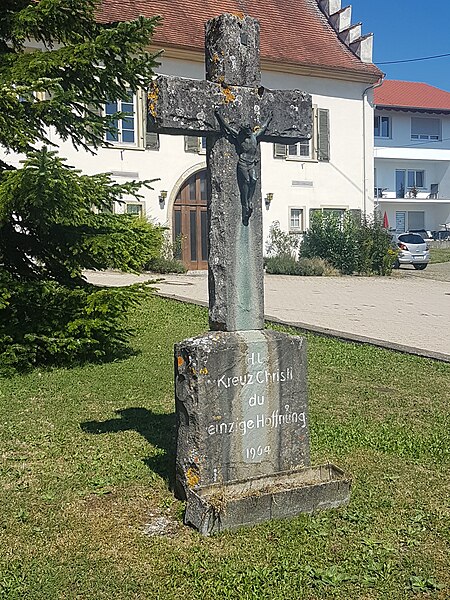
[400, 152]
[338, 183]
[401, 131]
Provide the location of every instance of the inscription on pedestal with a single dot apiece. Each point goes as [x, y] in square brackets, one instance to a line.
[241, 405]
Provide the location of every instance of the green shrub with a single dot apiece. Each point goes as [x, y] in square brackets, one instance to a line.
[310, 267]
[281, 243]
[168, 259]
[287, 265]
[165, 265]
[46, 323]
[284, 264]
[349, 245]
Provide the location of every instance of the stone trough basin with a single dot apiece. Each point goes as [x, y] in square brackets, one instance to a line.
[218, 507]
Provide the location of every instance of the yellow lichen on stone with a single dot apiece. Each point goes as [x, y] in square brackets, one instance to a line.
[239, 15]
[192, 477]
[215, 58]
[204, 371]
[229, 96]
[152, 99]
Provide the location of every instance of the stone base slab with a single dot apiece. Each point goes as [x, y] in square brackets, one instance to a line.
[214, 508]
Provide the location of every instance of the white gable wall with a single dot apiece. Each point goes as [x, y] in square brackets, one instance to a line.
[338, 183]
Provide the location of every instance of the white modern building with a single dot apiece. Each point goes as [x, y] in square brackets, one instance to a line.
[412, 155]
[311, 45]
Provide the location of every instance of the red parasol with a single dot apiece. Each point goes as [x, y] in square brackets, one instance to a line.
[385, 221]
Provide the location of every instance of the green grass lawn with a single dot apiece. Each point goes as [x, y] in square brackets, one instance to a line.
[440, 255]
[86, 463]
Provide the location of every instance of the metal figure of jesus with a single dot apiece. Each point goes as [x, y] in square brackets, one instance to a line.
[246, 141]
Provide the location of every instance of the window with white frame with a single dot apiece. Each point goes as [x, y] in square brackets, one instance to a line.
[406, 180]
[194, 144]
[134, 208]
[317, 148]
[125, 130]
[416, 179]
[302, 149]
[382, 126]
[423, 128]
[334, 212]
[296, 219]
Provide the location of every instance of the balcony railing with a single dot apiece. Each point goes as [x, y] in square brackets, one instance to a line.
[410, 194]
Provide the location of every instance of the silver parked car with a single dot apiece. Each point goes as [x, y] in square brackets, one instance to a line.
[413, 250]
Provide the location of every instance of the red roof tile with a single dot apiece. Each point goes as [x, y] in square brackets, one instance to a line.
[292, 31]
[409, 94]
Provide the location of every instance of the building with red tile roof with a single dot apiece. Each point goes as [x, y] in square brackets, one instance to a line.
[412, 155]
[294, 33]
[411, 95]
[308, 45]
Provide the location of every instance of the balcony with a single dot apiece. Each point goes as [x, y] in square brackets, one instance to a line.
[432, 195]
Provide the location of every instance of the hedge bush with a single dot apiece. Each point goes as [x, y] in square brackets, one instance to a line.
[349, 245]
[306, 267]
[165, 265]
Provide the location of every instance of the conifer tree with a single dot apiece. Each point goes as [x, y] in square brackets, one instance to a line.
[58, 66]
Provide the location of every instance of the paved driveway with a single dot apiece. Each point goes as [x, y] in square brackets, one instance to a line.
[407, 311]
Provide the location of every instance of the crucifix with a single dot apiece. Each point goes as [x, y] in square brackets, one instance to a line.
[235, 113]
[240, 391]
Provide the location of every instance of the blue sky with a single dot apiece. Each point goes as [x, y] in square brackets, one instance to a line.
[406, 29]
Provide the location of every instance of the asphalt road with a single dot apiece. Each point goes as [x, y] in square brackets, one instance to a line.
[409, 311]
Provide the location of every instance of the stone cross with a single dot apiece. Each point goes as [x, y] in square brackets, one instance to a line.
[241, 394]
[230, 102]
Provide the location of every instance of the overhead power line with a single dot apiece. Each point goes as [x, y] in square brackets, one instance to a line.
[396, 62]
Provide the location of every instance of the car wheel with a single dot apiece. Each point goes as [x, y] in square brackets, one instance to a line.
[420, 267]
[396, 265]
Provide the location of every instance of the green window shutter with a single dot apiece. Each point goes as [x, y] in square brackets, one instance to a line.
[279, 150]
[323, 135]
[91, 110]
[191, 144]
[151, 141]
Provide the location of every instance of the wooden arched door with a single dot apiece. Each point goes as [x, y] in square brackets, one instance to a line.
[190, 224]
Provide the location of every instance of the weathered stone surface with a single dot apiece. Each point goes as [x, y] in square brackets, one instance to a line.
[236, 272]
[241, 399]
[218, 507]
[186, 107]
[241, 407]
[232, 50]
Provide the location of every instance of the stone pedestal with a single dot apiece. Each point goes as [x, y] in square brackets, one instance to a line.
[243, 438]
[241, 407]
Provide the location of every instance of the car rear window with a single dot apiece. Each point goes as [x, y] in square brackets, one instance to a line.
[411, 238]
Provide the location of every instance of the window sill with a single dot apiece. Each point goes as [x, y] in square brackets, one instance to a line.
[301, 159]
[118, 146]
